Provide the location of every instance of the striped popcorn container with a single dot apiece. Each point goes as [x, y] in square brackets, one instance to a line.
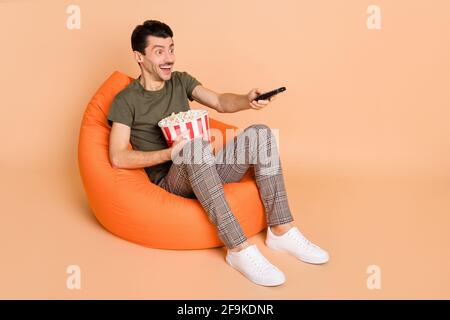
[196, 122]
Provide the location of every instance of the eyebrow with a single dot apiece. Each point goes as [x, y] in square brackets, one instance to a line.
[159, 46]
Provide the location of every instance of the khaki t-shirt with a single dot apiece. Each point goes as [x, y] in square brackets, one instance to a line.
[141, 110]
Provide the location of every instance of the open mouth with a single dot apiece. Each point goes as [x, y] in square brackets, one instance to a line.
[166, 69]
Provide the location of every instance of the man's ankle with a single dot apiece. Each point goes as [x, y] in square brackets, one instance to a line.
[281, 229]
[240, 247]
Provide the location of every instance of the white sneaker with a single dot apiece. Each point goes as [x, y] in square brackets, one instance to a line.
[295, 243]
[252, 264]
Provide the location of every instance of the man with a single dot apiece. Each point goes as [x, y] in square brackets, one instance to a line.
[157, 93]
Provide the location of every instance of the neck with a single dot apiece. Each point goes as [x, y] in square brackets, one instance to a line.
[149, 83]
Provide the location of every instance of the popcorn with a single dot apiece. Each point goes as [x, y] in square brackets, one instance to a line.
[183, 116]
[196, 122]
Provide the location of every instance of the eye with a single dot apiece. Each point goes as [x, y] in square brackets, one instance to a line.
[158, 51]
[172, 50]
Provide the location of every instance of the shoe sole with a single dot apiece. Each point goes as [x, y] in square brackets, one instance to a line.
[253, 280]
[307, 260]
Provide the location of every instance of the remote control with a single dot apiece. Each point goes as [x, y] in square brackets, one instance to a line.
[269, 94]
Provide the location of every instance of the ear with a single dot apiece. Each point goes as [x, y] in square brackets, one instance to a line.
[138, 57]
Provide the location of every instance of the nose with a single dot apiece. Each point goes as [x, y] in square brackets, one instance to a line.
[169, 58]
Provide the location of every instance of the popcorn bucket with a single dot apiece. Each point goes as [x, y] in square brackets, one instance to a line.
[196, 122]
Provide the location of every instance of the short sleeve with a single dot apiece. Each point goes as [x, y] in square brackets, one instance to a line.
[120, 111]
[189, 83]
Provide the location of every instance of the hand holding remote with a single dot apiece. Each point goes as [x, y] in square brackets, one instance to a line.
[259, 100]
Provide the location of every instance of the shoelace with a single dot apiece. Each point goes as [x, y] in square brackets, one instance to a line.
[301, 240]
[259, 262]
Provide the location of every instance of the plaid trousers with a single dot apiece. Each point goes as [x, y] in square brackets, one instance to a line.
[197, 173]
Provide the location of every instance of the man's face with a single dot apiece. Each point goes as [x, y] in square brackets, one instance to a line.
[159, 57]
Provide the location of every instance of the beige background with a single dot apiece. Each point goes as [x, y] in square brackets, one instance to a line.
[364, 140]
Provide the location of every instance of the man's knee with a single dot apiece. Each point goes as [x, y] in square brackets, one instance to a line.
[259, 126]
[261, 135]
[262, 144]
[261, 131]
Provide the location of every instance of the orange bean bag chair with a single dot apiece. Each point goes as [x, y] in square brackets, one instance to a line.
[130, 206]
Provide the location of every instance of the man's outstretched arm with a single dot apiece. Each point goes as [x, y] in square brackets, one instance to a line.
[228, 102]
